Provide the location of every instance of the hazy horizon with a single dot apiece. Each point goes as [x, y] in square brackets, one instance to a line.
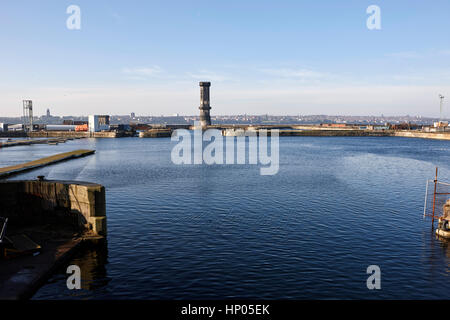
[233, 115]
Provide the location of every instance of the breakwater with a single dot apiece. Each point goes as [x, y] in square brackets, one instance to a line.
[15, 169]
[13, 134]
[78, 134]
[30, 142]
[335, 133]
[287, 130]
[65, 134]
[423, 135]
[309, 133]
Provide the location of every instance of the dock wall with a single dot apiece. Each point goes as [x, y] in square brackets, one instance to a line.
[285, 130]
[335, 133]
[75, 134]
[12, 134]
[79, 204]
[156, 133]
[58, 134]
[423, 135]
[310, 133]
[27, 142]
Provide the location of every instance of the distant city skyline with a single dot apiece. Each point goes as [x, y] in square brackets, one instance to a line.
[234, 119]
[261, 57]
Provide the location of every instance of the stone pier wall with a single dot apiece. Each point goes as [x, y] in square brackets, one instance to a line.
[75, 134]
[12, 134]
[424, 135]
[156, 133]
[79, 204]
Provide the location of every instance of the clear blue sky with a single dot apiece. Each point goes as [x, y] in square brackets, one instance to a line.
[276, 57]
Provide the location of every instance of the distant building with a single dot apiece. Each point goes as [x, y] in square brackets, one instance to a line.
[98, 123]
[334, 125]
[440, 124]
[60, 127]
[120, 127]
[15, 127]
[48, 113]
[133, 115]
[70, 122]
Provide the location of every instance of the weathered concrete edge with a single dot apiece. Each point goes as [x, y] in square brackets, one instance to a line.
[80, 204]
[32, 167]
[30, 142]
[40, 279]
[63, 251]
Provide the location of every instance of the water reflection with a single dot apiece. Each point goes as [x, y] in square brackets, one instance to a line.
[92, 262]
[92, 259]
[445, 249]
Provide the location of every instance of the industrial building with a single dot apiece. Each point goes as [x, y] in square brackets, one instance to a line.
[15, 127]
[98, 123]
[60, 127]
[440, 124]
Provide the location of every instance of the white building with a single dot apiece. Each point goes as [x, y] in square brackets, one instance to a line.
[15, 127]
[441, 124]
[98, 123]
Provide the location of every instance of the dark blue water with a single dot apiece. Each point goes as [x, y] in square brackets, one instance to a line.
[337, 205]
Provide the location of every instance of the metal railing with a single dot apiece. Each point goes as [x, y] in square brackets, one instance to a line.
[3, 229]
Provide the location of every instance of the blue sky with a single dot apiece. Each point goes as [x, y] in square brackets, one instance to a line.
[276, 57]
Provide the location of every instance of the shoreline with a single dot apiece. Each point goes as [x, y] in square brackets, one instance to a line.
[230, 130]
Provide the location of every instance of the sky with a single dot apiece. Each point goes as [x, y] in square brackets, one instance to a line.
[262, 57]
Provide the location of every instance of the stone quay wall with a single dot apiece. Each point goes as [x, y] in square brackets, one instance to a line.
[78, 204]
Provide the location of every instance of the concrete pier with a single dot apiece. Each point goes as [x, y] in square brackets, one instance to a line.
[27, 142]
[307, 133]
[60, 216]
[20, 278]
[11, 170]
[76, 134]
[423, 135]
[335, 133]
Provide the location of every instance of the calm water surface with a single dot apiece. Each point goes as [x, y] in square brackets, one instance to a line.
[337, 205]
